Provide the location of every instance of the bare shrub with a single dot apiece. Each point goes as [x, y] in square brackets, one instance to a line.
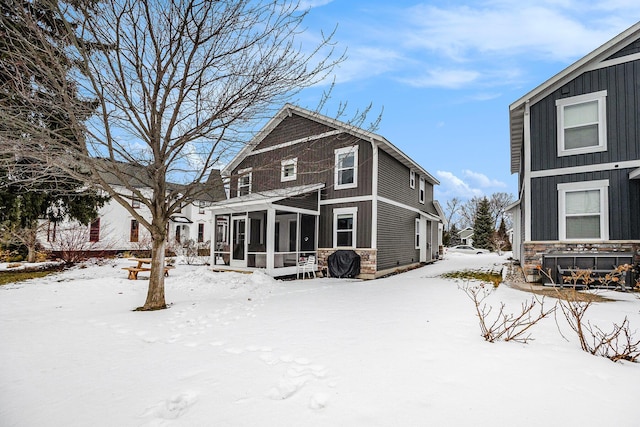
[505, 326]
[620, 343]
[73, 244]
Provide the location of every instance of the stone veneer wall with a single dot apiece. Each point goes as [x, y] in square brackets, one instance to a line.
[534, 251]
[368, 260]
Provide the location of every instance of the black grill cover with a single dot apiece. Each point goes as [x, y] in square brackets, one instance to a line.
[343, 264]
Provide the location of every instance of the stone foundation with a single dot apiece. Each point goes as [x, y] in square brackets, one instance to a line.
[368, 261]
[533, 252]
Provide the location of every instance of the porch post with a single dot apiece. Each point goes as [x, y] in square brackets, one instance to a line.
[271, 240]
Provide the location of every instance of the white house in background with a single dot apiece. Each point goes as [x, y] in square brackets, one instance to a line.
[116, 230]
[466, 236]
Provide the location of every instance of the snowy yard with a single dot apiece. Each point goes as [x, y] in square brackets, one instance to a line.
[247, 350]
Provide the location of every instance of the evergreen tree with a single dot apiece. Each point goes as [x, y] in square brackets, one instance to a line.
[453, 236]
[503, 236]
[31, 189]
[483, 226]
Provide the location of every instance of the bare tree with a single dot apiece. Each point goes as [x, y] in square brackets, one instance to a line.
[176, 85]
[497, 205]
[453, 206]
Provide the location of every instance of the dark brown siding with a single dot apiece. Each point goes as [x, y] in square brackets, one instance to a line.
[307, 201]
[363, 233]
[396, 236]
[292, 128]
[624, 204]
[623, 126]
[315, 165]
[393, 183]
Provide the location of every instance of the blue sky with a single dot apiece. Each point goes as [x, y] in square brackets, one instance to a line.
[445, 73]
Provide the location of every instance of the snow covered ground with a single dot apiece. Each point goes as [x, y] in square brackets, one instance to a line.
[247, 350]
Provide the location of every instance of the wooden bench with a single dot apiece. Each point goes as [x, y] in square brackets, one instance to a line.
[133, 271]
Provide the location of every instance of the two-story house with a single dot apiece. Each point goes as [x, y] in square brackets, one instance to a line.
[116, 230]
[575, 145]
[308, 185]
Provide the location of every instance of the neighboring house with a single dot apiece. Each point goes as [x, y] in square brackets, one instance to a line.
[575, 144]
[310, 185]
[466, 236]
[116, 230]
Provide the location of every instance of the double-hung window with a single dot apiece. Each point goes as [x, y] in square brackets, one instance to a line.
[244, 182]
[417, 233]
[582, 124]
[412, 179]
[583, 210]
[422, 189]
[344, 227]
[346, 167]
[289, 170]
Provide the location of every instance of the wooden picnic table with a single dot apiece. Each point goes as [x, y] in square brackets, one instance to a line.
[141, 262]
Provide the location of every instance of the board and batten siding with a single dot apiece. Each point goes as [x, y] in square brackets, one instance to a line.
[363, 232]
[623, 126]
[624, 204]
[396, 237]
[306, 201]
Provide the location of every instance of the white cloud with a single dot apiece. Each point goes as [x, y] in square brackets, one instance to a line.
[452, 186]
[310, 4]
[451, 79]
[482, 180]
[548, 30]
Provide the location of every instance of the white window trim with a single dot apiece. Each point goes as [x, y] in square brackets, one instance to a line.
[345, 211]
[353, 149]
[285, 163]
[241, 174]
[601, 98]
[417, 235]
[412, 179]
[603, 187]
[423, 190]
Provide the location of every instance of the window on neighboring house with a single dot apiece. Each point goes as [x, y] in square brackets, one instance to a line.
[201, 206]
[422, 189]
[94, 230]
[135, 201]
[289, 170]
[244, 182]
[412, 179]
[346, 168]
[344, 227]
[417, 233]
[582, 124]
[583, 210]
[200, 233]
[135, 229]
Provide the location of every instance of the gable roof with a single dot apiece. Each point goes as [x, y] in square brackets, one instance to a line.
[290, 109]
[596, 59]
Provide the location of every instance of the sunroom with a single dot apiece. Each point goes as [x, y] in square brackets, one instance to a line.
[274, 231]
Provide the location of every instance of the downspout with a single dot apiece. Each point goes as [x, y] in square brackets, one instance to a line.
[526, 182]
[374, 198]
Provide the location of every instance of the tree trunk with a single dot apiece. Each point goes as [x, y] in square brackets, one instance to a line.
[31, 257]
[155, 293]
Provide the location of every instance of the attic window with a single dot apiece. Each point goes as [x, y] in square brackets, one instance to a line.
[289, 170]
[582, 124]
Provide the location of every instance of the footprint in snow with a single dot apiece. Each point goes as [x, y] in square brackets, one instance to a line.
[173, 407]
